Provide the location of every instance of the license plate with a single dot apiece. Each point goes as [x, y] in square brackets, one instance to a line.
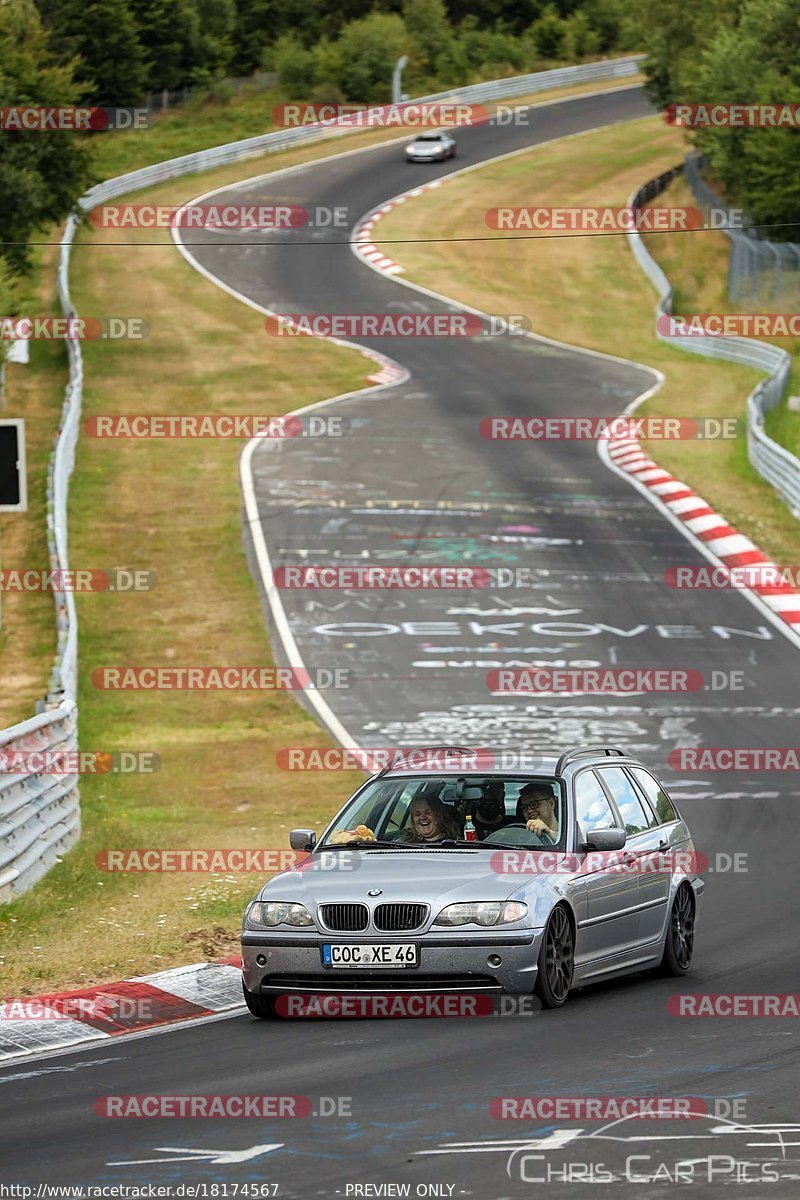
[337, 954]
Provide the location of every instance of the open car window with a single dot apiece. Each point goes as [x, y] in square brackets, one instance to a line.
[426, 811]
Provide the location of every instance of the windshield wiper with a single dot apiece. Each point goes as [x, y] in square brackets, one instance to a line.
[361, 844]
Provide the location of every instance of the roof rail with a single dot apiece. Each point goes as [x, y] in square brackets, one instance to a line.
[399, 757]
[579, 751]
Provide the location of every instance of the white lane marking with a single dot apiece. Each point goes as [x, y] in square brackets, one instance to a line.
[551, 1141]
[94, 1062]
[187, 1154]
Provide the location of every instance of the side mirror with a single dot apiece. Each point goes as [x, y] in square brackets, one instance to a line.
[605, 839]
[302, 839]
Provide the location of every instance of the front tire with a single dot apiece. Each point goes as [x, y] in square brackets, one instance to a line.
[262, 1007]
[679, 941]
[556, 960]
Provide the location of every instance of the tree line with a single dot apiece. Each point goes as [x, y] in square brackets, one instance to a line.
[116, 52]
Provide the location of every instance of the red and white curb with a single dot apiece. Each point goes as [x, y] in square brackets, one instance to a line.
[60, 1020]
[362, 235]
[720, 538]
[388, 371]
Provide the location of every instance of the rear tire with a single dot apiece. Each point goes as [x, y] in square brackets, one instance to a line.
[262, 1007]
[679, 941]
[556, 965]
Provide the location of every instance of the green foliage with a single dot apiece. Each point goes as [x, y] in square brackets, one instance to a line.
[168, 30]
[104, 37]
[581, 40]
[295, 65]
[366, 53]
[9, 301]
[430, 35]
[745, 52]
[212, 48]
[41, 173]
[549, 34]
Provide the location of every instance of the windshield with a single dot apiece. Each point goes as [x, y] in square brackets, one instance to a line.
[523, 811]
[429, 137]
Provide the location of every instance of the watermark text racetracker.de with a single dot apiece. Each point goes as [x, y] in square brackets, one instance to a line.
[191, 679]
[99, 1006]
[219, 218]
[594, 219]
[403, 1005]
[214, 1106]
[219, 860]
[14, 760]
[525, 681]
[615, 1108]
[664, 862]
[159, 426]
[399, 325]
[578, 429]
[738, 116]
[84, 579]
[71, 119]
[749, 325]
[767, 577]
[734, 758]
[409, 115]
[72, 329]
[728, 1004]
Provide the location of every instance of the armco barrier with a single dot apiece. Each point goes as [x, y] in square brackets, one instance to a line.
[39, 811]
[775, 464]
[40, 818]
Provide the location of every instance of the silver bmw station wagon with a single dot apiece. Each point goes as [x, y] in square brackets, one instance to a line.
[468, 876]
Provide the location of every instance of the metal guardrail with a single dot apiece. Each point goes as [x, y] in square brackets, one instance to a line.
[773, 463]
[39, 811]
[757, 268]
[40, 816]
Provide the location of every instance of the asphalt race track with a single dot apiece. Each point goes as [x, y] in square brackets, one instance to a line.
[411, 480]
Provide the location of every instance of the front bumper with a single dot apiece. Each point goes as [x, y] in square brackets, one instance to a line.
[459, 962]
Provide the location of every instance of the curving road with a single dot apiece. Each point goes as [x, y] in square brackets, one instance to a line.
[412, 481]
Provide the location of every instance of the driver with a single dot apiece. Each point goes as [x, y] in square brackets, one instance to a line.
[536, 808]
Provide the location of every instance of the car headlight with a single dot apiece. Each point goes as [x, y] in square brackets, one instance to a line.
[264, 914]
[482, 912]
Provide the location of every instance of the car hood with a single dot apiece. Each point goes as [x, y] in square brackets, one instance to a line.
[403, 875]
[425, 147]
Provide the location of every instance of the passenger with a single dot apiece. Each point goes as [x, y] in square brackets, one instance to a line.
[536, 809]
[489, 814]
[431, 821]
